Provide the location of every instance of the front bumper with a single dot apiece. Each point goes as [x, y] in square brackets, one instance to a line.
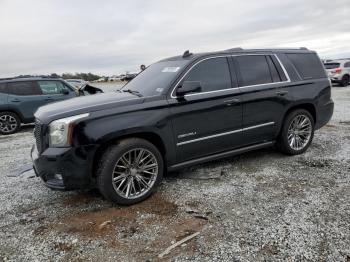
[65, 168]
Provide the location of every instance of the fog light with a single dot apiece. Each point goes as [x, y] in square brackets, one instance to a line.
[58, 177]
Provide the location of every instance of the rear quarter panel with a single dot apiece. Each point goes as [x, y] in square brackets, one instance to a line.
[3, 102]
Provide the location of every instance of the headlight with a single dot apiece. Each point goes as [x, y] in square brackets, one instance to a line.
[60, 131]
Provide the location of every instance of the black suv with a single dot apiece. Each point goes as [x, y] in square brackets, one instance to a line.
[21, 97]
[182, 111]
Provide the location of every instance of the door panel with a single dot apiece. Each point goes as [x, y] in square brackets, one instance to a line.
[206, 125]
[264, 96]
[25, 97]
[208, 121]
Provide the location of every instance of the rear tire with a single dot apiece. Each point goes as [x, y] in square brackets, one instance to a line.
[297, 132]
[130, 171]
[10, 123]
[344, 81]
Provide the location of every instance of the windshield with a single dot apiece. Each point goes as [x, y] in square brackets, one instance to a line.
[331, 65]
[156, 78]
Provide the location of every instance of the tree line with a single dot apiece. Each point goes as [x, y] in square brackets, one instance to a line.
[84, 76]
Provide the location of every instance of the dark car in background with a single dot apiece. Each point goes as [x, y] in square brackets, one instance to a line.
[128, 77]
[21, 97]
[182, 111]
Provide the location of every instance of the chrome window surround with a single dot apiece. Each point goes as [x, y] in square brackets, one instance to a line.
[224, 134]
[232, 88]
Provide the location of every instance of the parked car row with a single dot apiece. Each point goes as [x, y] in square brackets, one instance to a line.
[178, 112]
[338, 71]
[21, 97]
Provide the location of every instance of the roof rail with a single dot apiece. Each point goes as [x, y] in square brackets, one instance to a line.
[235, 49]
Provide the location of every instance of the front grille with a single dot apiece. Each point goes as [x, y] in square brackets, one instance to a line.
[38, 135]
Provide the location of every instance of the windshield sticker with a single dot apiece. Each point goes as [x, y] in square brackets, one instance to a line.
[172, 69]
[159, 89]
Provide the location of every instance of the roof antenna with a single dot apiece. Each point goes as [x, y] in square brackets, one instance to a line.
[187, 54]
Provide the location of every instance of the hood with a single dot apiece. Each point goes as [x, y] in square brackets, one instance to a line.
[85, 104]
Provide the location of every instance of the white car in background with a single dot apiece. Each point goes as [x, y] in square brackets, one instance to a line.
[339, 71]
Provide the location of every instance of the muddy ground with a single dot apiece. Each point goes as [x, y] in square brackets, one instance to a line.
[257, 206]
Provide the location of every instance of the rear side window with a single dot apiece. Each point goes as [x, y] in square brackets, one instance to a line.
[3, 88]
[331, 65]
[23, 88]
[347, 64]
[254, 70]
[308, 65]
[51, 87]
[213, 74]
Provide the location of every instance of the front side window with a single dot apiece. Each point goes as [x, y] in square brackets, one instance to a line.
[213, 74]
[23, 88]
[51, 87]
[254, 70]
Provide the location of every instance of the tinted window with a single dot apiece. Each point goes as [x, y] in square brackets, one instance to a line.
[23, 88]
[213, 74]
[51, 87]
[347, 64]
[308, 65]
[3, 88]
[254, 70]
[331, 65]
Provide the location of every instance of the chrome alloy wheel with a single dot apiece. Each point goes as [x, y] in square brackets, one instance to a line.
[8, 123]
[299, 132]
[135, 173]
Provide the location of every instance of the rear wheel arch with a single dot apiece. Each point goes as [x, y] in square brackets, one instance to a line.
[307, 106]
[19, 115]
[151, 137]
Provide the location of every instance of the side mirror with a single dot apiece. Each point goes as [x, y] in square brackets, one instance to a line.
[189, 87]
[64, 92]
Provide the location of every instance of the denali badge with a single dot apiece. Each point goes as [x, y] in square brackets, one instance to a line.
[186, 135]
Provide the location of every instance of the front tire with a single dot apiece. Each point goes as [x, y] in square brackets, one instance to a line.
[9, 123]
[297, 132]
[130, 171]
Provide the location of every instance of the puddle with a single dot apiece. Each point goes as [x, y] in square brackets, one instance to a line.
[149, 226]
[81, 198]
[319, 163]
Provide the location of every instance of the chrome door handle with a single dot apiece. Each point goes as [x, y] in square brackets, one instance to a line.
[281, 93]
[231, 101]
[15, 100]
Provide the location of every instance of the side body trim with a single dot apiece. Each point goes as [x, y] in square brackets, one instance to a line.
[224, 134]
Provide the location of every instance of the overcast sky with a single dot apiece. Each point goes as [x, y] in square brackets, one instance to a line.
[111, 37]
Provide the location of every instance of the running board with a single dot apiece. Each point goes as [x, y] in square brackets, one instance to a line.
[220, 155]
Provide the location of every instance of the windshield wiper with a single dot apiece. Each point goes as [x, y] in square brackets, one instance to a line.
[134, 92]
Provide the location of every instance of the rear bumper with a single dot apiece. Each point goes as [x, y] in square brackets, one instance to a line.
[64, 168]
[324, 114]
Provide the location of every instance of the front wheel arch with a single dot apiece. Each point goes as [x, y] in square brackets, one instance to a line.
[153, 138]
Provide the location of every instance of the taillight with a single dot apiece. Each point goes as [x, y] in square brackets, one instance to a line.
[336, 71]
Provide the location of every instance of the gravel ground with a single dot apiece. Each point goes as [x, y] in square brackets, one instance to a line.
[257, 206]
